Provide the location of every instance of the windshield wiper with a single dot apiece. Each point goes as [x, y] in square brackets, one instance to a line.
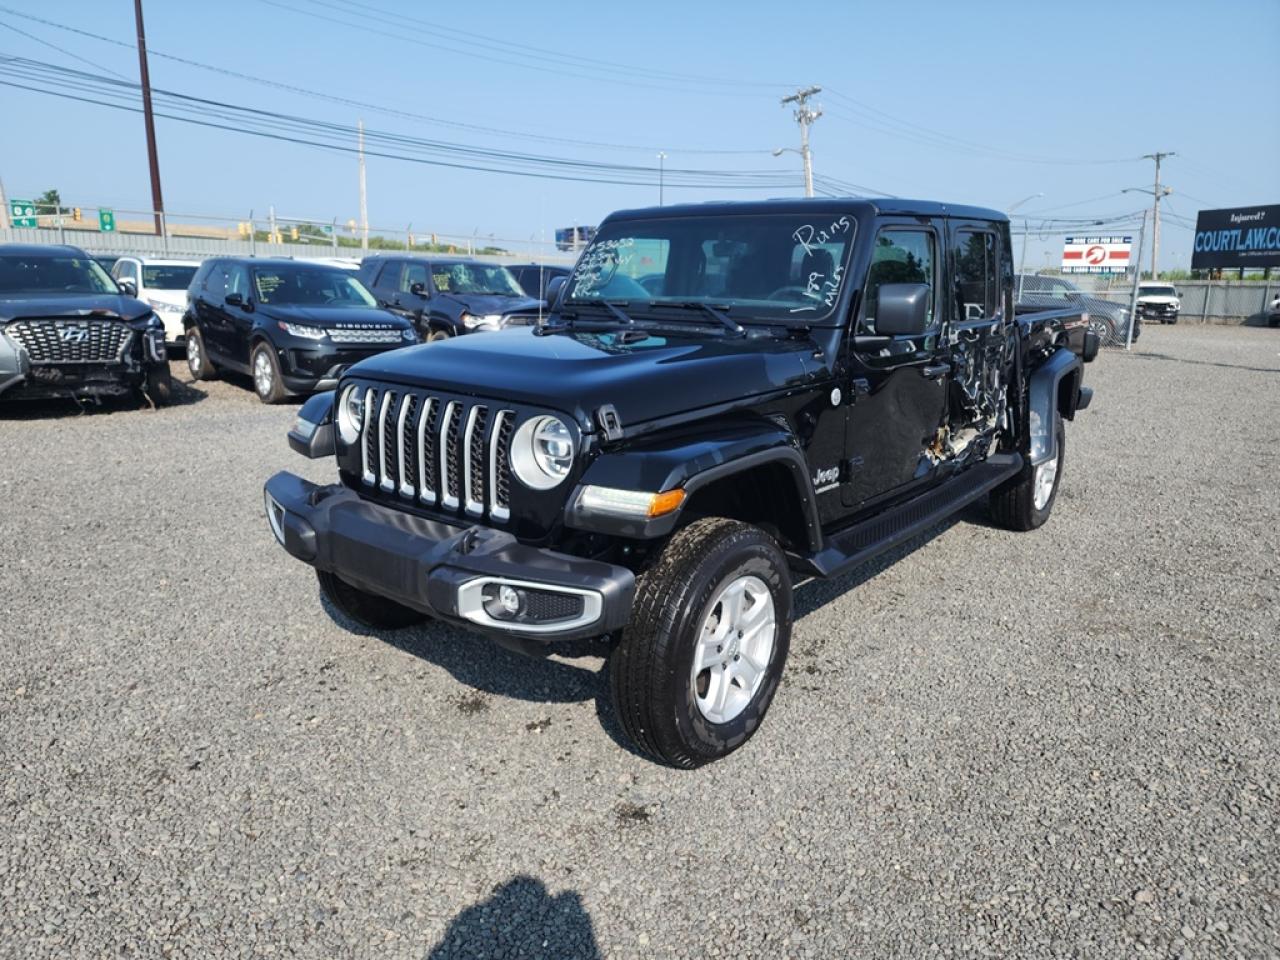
[613, 306]
[716, 314]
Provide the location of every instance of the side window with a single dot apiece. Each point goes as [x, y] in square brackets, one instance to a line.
[977, 282]
[238, 280]
[901, 256]
[215, 284]
[411, 273]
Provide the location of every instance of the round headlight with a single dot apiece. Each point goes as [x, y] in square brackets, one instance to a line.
[350, 414]
[542, 452]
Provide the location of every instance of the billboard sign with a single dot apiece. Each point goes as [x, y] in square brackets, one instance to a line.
[1241, 237]
[1096, 254]
[573, 238]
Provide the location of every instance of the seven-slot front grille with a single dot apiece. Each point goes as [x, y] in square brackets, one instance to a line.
[71, 340]
[438, 450]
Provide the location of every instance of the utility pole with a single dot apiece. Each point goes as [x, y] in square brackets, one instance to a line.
[364, 196]
[157, 201]
[805, 117]
[662, 159]
[1157, 193]
[1137, 275]
[4, 208]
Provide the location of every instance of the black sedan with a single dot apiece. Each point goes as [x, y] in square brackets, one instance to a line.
[293, 326]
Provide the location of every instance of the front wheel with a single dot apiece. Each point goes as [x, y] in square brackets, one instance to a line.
[1105, 330]
[1025, 502]
[436, 334]
[367, 609]
[159, 387]
[701, 659]
[267, 382]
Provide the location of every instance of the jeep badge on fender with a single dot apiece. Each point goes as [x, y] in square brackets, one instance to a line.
[652, 466]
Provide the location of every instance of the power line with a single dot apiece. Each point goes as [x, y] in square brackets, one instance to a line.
[331, 136]
[365, 105]
[507, 47]
[630, 82]
[62, 50]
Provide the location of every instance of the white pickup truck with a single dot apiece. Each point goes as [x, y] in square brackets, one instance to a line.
[1159, 301]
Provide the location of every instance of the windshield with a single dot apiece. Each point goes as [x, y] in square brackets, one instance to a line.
[310, 286]
[1159, 291]
[167, 277]
[772, 266]
[41, 274]
[475, 278]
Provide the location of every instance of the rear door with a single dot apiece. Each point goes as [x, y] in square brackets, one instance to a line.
[209, 311]
[898, 384]
[980, 310]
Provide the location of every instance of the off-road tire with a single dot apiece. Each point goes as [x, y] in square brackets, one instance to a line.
[159, 385]
[1013, 503]
[368, 609]
[649, 671]
[198, 362]
[277, 392]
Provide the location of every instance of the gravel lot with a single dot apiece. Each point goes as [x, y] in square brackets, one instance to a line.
[1058, 744]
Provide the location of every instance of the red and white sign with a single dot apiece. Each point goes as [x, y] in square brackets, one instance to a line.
[1096, 254]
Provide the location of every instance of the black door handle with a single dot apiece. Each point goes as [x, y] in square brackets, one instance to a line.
[936, 370]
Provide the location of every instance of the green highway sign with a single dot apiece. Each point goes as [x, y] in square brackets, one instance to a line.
[107, 220]
[22, 213]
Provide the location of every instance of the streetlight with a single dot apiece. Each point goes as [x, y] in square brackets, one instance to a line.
[662, 159]
[804, 157]
[1022, 263]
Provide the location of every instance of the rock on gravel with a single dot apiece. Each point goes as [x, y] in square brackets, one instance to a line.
[1054, 744]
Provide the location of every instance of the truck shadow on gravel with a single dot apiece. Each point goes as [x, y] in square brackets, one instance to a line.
[1205, 363]
[521, 919]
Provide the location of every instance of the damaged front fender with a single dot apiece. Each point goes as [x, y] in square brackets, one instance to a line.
[1054, 388]
[14, 363]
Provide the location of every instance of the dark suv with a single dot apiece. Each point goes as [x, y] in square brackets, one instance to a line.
[449, 297]
[534, 278]
[295, 326]
[67, 329]
[1109, 320]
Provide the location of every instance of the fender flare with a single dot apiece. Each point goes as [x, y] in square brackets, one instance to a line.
[691, 462]
[1043, 392]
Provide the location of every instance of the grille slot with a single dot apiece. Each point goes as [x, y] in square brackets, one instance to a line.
[438, 451]
[364, 335]
[71, 340]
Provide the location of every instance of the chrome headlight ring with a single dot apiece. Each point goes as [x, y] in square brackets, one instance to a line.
[350, 414]
[542, 452]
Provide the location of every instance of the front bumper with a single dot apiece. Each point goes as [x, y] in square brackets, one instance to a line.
[441, 569]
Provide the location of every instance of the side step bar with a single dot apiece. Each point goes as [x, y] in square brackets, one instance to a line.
[856, 545]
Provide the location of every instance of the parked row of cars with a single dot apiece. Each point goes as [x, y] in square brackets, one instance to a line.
[68, 328]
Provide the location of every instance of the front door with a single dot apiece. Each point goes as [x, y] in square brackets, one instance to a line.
[976, 329]
[898, 383]
[239, 318]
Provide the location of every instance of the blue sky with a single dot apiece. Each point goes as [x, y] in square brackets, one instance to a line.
[952, 101]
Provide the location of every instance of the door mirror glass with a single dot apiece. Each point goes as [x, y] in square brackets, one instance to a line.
[903, 309]
[554, 286]
[418, 289]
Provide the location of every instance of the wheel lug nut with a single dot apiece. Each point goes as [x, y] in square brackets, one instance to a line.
[735, 656]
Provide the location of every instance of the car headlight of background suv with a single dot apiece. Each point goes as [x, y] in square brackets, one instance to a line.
[542, 452]
[160, 307]
[302, 330]
[490, 321]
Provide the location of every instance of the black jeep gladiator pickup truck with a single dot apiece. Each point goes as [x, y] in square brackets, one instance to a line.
[798, 386]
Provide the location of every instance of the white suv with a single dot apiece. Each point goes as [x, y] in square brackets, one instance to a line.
[1158, 301]
[162, 284]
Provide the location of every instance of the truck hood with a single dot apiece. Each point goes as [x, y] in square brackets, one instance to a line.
[1156, 298]
[485, 304]
[330, 317]
[579, 371]
[15, 306]
[172, 298]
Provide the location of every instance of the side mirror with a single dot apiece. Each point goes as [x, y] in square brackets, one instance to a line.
[127, 287]
[903, 309]
[235, 300]
[418, 289]
[554, 286]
